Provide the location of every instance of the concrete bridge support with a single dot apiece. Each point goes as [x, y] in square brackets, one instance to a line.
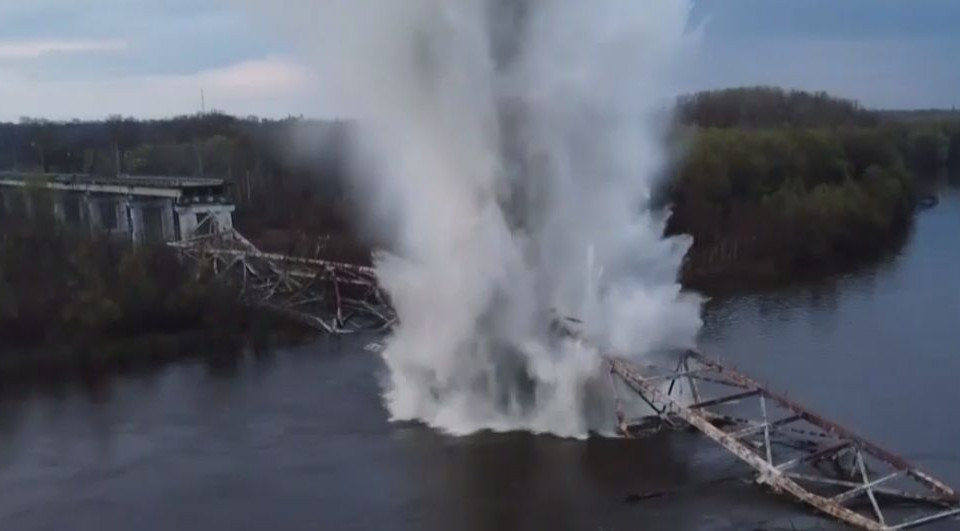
[142, 209]
[107, 214]
[200, 220]
[71, 207]
[152, 221]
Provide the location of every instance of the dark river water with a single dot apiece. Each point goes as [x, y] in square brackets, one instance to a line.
[298, 440]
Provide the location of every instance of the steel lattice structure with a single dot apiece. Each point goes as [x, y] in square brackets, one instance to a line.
[332, 297]
[793, 450]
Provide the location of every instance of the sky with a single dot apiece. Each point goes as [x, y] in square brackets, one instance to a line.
[64, 59]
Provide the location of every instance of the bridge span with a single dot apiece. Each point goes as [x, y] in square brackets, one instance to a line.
[141, 209]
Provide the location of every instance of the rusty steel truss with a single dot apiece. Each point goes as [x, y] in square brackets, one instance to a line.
[792, 450]
[332, 297]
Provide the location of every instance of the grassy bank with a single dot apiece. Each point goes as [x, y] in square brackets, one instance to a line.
[69, 302]
[61, 287]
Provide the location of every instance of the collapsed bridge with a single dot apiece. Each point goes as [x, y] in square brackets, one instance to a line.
[792, 450]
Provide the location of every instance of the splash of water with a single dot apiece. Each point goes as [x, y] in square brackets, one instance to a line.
[510, 150]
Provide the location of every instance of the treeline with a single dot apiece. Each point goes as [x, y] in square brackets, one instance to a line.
[771, 181]
[928, 140]
[277, 191]
[765, 107]
[778, 183]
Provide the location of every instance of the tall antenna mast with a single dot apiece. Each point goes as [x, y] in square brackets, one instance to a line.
[203, 102]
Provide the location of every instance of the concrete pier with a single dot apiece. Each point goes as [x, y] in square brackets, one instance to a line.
[141, 209]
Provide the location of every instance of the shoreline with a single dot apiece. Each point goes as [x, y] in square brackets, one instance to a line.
[113, 355]
[758, 277]
[259, 331]
[145, 351]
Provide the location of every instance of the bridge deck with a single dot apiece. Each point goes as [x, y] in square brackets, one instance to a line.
[154, 186]
[84, 179]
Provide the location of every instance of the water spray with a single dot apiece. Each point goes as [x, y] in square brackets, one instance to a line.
[508, 153]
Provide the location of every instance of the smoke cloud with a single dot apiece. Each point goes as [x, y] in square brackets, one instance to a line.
[508, 153]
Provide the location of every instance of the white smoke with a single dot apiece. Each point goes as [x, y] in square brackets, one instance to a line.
[510, 151]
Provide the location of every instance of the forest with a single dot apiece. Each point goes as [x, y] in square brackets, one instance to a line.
[777, 184]
[770, 182]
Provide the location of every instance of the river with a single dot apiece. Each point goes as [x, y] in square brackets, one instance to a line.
[298, 440]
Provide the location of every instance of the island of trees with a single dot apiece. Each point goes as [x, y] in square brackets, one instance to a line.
[778, 184]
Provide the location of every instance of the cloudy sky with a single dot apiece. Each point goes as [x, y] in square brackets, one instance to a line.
[92, 58]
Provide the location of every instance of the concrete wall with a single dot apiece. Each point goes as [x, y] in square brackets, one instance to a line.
[152, 221]
[106, 214]
[198, 220]
[137, 218]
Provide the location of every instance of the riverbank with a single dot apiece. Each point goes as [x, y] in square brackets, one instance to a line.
[775, 187]
[74, 303]
[59, 286]
[722, 278]
[772, 184]
[301, 435]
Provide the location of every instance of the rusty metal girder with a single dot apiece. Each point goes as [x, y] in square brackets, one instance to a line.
[331, 297]
[792, 449]
[800, 453]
